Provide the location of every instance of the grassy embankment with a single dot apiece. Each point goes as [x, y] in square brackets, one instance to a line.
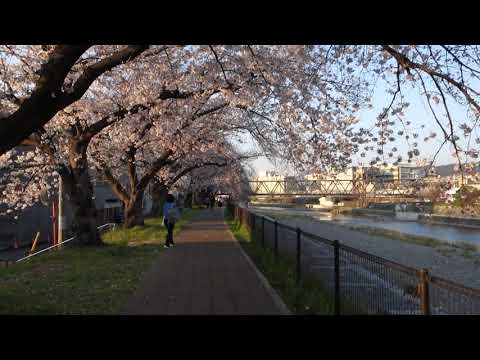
[84, 280]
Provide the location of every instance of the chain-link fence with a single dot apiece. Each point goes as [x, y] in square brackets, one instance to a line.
[359, 282]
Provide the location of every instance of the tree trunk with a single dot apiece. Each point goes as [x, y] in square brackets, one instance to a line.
[159, 196]
[134, 210]
[79, 190]
[189, 200]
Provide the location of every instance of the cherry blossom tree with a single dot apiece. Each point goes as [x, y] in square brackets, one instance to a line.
[172, 103]
[163, 147]
[243, 88]
[59, 150]
[446, 77]
[149, 142]
[37, 82]
[208, 166]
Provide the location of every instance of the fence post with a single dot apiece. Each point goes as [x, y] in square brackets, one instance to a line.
[263, 231]
[299, 234]
[336, 252]
[424, 292]
[275, 246]
[254, 218]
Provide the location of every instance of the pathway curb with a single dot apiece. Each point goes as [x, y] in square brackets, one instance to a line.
[273, 293]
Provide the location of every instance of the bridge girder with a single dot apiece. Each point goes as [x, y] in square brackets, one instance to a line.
[334, 188]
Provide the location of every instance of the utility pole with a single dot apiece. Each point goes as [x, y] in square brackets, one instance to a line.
[61, 218]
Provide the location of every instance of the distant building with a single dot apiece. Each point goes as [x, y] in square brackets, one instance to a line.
[398, 173]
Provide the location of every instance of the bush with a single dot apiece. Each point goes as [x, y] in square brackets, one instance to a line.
[467, 198]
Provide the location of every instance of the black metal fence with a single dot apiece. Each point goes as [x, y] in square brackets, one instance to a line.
[359, 282]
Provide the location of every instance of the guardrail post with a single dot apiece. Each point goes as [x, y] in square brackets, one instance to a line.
[336, 252]
[263, 231]
[275, 246]
[299, 235]
[424, 292]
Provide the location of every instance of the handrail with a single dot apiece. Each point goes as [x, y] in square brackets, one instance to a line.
[113, 225]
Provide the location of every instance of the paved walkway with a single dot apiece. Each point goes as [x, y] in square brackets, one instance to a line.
[206, 273]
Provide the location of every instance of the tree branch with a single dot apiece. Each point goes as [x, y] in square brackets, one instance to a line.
[156, 166]
[407, 64]
[116, 186]
[191, 168]
[47, 98]
[93, 71]
[219, 63]
[38, 108]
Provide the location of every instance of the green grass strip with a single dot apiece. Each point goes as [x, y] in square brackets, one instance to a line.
[309, 298]
[84, 280]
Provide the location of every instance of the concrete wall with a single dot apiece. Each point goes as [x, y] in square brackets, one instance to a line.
[451, 220]
[38, 218]
[31, 220]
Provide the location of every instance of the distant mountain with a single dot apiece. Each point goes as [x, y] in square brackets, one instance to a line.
[445, 170]
[449, 170]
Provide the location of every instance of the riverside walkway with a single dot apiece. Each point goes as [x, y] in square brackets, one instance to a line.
[206, 273]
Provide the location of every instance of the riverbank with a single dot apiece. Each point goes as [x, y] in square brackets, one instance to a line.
[450, 220]
[453, 263]
[414, 239]
[464, 221]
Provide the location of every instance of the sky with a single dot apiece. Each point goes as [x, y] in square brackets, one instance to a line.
[418, 113]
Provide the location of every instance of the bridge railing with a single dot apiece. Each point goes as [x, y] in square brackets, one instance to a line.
[334, 187]
[359, 282]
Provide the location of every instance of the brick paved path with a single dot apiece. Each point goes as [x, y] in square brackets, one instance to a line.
[206, 273]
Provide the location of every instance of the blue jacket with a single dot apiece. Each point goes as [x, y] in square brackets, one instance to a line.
[167, 206]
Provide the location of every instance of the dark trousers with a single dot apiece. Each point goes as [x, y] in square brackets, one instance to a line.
[169, 226]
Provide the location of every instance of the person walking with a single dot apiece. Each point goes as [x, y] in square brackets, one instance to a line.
[170, 216]
[212, 201]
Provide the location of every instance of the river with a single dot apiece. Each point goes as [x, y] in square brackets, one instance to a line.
[446, 233]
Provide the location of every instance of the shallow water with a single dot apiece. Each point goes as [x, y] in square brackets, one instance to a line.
[446, 233]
